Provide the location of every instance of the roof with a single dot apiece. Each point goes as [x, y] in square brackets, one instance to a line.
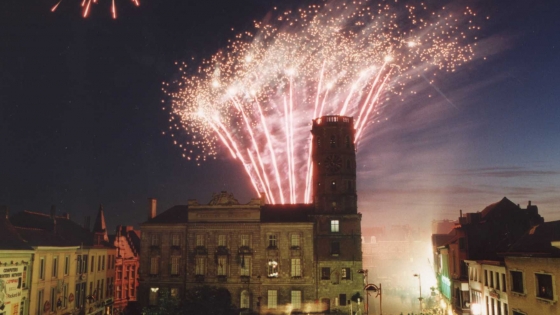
[38, 229]
[287, 213]
[9, 237]
[99, 225]
[175, 214]
[441, 239]
[537, 241]
[504, 204]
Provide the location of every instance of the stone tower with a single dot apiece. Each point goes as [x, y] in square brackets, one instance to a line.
[334, 165]
[337, 221]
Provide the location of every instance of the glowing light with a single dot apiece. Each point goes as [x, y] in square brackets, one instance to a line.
[86, 5]
[266, 86]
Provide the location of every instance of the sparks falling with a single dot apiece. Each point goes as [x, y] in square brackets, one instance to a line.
[86, 7]
[256, 98]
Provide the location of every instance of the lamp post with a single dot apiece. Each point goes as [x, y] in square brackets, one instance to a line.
[373, 288]
[420, 286]
[365, 273]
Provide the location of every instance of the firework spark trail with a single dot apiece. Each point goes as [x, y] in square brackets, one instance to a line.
[86, 4]
[270, 148]
[256, 148]
[352, 58]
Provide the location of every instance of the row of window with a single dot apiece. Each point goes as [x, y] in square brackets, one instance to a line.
[82, 263]
[55, 267]
[495, 280]
[345, 273]
[58, 299]
[496, 307]
[129, 273]
[221, 240]
[543, 284]
[272, 266]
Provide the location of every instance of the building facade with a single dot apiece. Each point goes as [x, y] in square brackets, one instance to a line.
[127, 264]
[533, 271]
[478, 238]
[70, 270]
[271, 258]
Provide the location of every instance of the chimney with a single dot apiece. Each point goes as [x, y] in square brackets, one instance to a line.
[87, 221]
[263, 198]
[529, 204]
[4, 211]
[460, 213]
[152, 208]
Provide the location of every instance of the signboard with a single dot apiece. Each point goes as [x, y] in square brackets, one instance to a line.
[11, 284]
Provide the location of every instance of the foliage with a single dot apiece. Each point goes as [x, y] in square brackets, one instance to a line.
[204, 300]
[166, 305]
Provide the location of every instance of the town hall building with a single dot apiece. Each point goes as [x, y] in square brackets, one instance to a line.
[272, 258]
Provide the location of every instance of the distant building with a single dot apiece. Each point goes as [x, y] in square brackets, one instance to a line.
[271, 258]
[127, 263]
[56, 280]
[533, 265]
[473, 247]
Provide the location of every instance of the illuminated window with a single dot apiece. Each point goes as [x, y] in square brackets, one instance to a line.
[295, 240]
[244, 299]
[272, 268]
[153, 296]
[222, 266]
[221, 240]
[200, 267]
[335, 226]
[174, 292]
[245, 266]
[296, 300]
[199, 240]
[272, 299]
[345, 274]
[245, 240]
[296, 267]
[545, 289]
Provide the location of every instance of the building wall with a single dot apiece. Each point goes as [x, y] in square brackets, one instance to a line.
[47, 281]
[495, 297]
[127, 264]
[528, 302]
[23, 260]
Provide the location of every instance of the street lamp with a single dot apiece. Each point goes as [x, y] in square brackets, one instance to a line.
[369, 287]
[420, 286]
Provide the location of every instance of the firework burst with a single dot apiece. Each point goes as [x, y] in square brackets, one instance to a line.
[87, 4]
[256, 98]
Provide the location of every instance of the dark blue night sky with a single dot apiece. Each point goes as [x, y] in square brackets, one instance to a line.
[81, 120]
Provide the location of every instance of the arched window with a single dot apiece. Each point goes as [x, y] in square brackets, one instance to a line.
[333, 141]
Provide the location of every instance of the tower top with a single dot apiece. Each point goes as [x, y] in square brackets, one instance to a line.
[333, 119]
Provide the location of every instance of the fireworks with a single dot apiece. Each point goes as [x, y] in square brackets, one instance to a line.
[86, 6]
[256, 98]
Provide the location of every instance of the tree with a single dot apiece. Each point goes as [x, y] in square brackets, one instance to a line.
[166, 305]
[205, 300]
